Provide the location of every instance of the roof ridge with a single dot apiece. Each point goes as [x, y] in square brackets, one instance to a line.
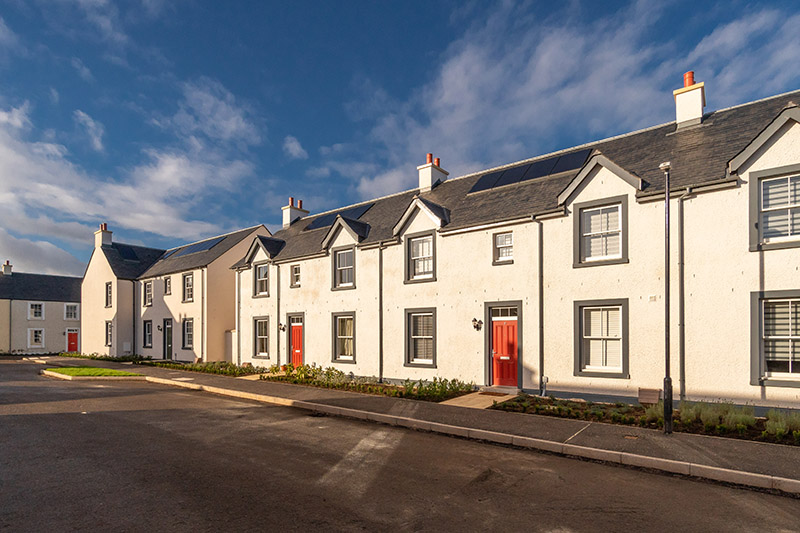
[38, 274]
[137, 246]
[213, 237]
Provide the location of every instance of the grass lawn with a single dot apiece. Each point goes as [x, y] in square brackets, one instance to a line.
[91, 371]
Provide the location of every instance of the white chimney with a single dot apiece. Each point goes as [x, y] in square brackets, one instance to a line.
[431, 174]
[7, 268]
[689, 101]
[102, 237]
[292, 212]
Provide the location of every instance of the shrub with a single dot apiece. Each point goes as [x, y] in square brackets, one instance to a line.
[655, 413]
[96, 357]
[776, 423]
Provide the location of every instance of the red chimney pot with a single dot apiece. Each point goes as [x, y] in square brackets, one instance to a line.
[430, 158]
[436, 162]
[291, 201]
[688, 79]
[300, 204]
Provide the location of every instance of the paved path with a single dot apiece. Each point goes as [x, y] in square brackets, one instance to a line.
[83, 456]
[736, 455]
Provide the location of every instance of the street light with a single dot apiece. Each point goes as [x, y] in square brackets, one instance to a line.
[667, 379]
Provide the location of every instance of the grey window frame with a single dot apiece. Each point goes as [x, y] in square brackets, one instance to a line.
[407, 313]
[256, 279]
[292, 283]
[408, 266]
[335, 336]
[334, 254]
[109, 333]
[109, 295]
[579, 305]
[256, 320]
[577, 233]
[168, 285]
[758, 376]
[188, 275]
[496, 250]
[146, 285]
[147, 335]
[184, 323]
[754, 193]
[77, 311]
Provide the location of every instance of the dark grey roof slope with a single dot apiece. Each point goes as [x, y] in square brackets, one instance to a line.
[698, 155]
[41, 287]
[174, 261]
[272, 246]
[128, 261]
[442, 212]
[359, 228]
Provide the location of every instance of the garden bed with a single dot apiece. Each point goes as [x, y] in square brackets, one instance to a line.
[91, 372]
[704, 418]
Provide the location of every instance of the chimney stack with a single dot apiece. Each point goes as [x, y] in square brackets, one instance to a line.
[431, 174]
[689, 101]
[7, 268]
[292, 212]
[102, 237]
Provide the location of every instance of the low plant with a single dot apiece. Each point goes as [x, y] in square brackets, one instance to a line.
[655, 413]
[96, 357]
[217, 367]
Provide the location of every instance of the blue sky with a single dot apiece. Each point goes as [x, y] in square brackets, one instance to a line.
[177, 120]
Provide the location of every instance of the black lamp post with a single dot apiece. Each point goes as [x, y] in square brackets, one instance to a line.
[667, 378]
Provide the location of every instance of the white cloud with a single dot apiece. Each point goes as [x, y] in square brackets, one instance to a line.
[318, 172]
[513, 87]
[212, 110]
[83, 70]
[38, 257]
[94, 129]
[54, 96]
[104, 16]
[17, 117]
[8, 39]
[293, 149]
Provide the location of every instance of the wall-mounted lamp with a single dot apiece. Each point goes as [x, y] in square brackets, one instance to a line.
[158, 328]
[477, 324]
[281, 327]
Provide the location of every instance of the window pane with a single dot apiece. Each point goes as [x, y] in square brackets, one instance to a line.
[776, 319]
[613, 353]
[344, 259]
[613, 325]
[345, 326]
[344, 347]
[794, 221]
[591, 221]
[796, 320]
[612, 244]
[775, 193]
[592, 323]
[422, 325]
[593, 352]
[777, 350]
[505, 252]
[423, 348]
[776, 224]
[423, 266]
[504, 239]
[610, 218]
[262, 328]
[346, 276]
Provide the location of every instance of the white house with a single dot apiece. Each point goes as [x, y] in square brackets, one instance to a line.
[39, 313]
[552, 269]
[166, 304]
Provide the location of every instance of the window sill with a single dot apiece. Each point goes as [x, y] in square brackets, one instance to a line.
[419, 365]
[187, 301]
[504, 262]
[262, 357]
[618, 261]
[419, 280]
[602, 374]
[763, 246]
[780, 382]
[343, 288]
[261, 295]
[345, 361]
[294, 286]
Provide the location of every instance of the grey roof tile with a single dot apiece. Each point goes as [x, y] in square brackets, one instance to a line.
[40, 287]
[128, 261]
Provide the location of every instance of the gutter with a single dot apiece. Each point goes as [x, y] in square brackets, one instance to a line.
[681, 298]
[724, 183]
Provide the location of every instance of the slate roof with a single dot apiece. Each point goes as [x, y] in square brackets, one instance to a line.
[698, 155]
[128, 261]
[170, 263]
[359, 228]
[40, 287]
[272, 246]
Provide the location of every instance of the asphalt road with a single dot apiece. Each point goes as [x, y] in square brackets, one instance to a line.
[86, 456]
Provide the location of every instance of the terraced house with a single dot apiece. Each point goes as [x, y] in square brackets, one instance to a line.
[552, 269]
[39, 313]
[166, 304]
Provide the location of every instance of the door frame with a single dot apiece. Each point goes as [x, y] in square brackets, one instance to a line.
[66, 341]
[487, 345]
[171, 339]
[289, 347]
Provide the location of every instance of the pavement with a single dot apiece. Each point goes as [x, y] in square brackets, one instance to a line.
[753, 464]
[138, 456]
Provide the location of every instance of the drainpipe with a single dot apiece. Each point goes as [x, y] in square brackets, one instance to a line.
[135, 318]
[681, 306]
[380, 313]
[203, 316]
[278, 319]
[542, 378]
[238, 317]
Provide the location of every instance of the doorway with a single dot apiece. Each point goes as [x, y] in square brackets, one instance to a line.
[167, 338]
[504, 343]
[296, 338]
[72, 339]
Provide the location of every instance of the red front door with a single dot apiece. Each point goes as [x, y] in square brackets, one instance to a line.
[297, 344]
[72, 341]
[504, 353]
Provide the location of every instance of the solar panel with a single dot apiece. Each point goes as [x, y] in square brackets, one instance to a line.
[198, 247]
[486, 181]
[169, 253]
[326, 220]
[511, 175]
[540, 169]
[571, 161]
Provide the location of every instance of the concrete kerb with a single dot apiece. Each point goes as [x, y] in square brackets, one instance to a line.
[59, 375]
[748, 479]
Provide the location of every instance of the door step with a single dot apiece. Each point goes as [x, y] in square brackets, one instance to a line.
[500, 389]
